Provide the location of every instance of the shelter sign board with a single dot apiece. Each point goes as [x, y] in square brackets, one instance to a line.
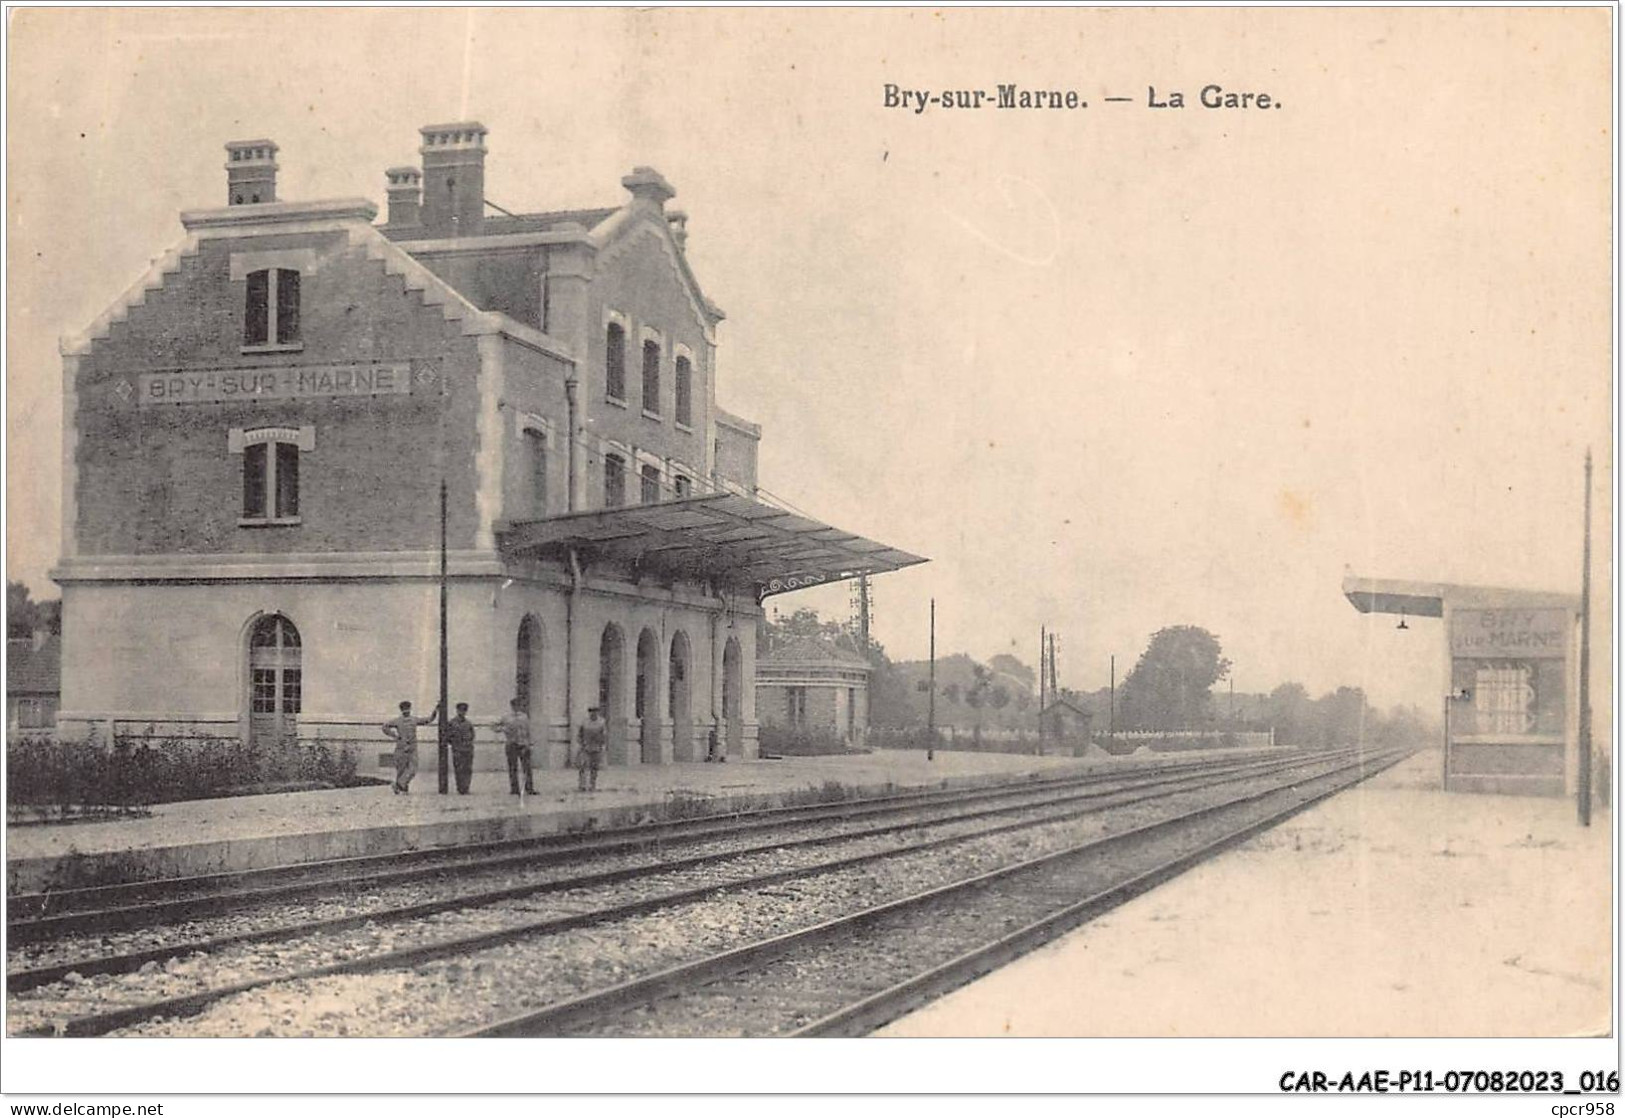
[1510, 632]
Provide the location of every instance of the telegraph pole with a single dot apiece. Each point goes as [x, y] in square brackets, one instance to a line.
[863, 612]
[931, 698]
[1111, 702]
[445, 749]
[1584, 782]
[1043, 657]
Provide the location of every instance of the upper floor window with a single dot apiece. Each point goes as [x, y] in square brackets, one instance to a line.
[651, 377]
[649, 481]
[536, 468]
[271, 471]
[685, 392]
[615, 361]
[271, 481]
[614, 481]
[272, 311]
[683, 485]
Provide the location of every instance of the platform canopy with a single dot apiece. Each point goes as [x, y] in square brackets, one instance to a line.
[722, 537]
[1427, 599]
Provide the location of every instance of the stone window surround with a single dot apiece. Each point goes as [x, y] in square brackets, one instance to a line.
[648, 334]
[678, 349]
[302, 260]
[619, 319]
[239, 439]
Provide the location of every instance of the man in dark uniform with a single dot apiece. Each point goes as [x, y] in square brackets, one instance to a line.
[460, 736]
[515, 727]
[594, 738]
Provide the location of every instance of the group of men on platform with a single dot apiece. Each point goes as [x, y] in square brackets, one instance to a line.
[591, 741]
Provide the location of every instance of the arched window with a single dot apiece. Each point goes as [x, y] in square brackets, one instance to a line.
[615, 361]
[275, 678]
[649, 485]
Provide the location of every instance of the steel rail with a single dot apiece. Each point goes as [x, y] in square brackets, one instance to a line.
[202, 906]
[156, 901]
[554, 1020]
[184, 1005]
[881, 1008]
[126, 962]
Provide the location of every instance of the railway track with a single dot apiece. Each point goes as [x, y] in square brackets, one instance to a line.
[1063, 803]
[850, 975]
[1066, 802]
[35, 917]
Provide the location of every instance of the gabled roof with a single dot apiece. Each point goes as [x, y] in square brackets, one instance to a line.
[352, 217]
[34, 670]
[1067, 704]
[510, 224]
[810, 650]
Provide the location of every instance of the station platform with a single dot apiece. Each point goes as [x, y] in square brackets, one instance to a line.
[251, 832]
[1392, 909]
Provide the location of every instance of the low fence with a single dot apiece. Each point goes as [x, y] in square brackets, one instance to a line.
[1120, 744]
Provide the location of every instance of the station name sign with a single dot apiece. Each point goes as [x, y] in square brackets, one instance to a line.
[215, 386]
[1509, 632]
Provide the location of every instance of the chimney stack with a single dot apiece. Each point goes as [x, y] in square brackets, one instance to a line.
[405, 195]
[453, 178]
[647, 185]
[250, 172]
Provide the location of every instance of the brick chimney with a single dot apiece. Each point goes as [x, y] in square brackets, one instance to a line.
[405, 195]
[250, 172]
[453, 178]
[647, 185]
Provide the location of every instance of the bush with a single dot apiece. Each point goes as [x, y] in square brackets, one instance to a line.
[143, 769]
[787, 742]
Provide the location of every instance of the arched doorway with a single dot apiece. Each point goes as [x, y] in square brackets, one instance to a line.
[612, 690]
[275, 683]
[527, 684]
[647, 711]
[733, 698]
[678, 701]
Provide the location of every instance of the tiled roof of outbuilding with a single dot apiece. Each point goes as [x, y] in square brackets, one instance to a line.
[34, 670]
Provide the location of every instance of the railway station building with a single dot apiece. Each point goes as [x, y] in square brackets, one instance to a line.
[1511, 706]
[257, 436]
[814, 686]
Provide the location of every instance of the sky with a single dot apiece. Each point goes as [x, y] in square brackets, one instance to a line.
[1111, 369]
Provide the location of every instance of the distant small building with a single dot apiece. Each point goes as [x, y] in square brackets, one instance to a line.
[814, 685]
[1065, 720]
[33, 682]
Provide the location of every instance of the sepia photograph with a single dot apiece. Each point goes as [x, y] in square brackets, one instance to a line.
[929, 525]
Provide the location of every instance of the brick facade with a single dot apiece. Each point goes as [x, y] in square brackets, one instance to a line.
[475, 328]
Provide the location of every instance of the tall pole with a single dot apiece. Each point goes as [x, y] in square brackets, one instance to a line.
[1111, 702]
[1043, 659]
[863, 612]
[931, 698]
[445, 749]
[1584, 781]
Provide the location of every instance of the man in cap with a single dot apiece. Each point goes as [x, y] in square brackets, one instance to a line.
[594, 737]
[515, 728]
[404, 732]
[460, 736]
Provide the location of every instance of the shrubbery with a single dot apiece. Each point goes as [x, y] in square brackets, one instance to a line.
[144, 769]
[786, 742]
